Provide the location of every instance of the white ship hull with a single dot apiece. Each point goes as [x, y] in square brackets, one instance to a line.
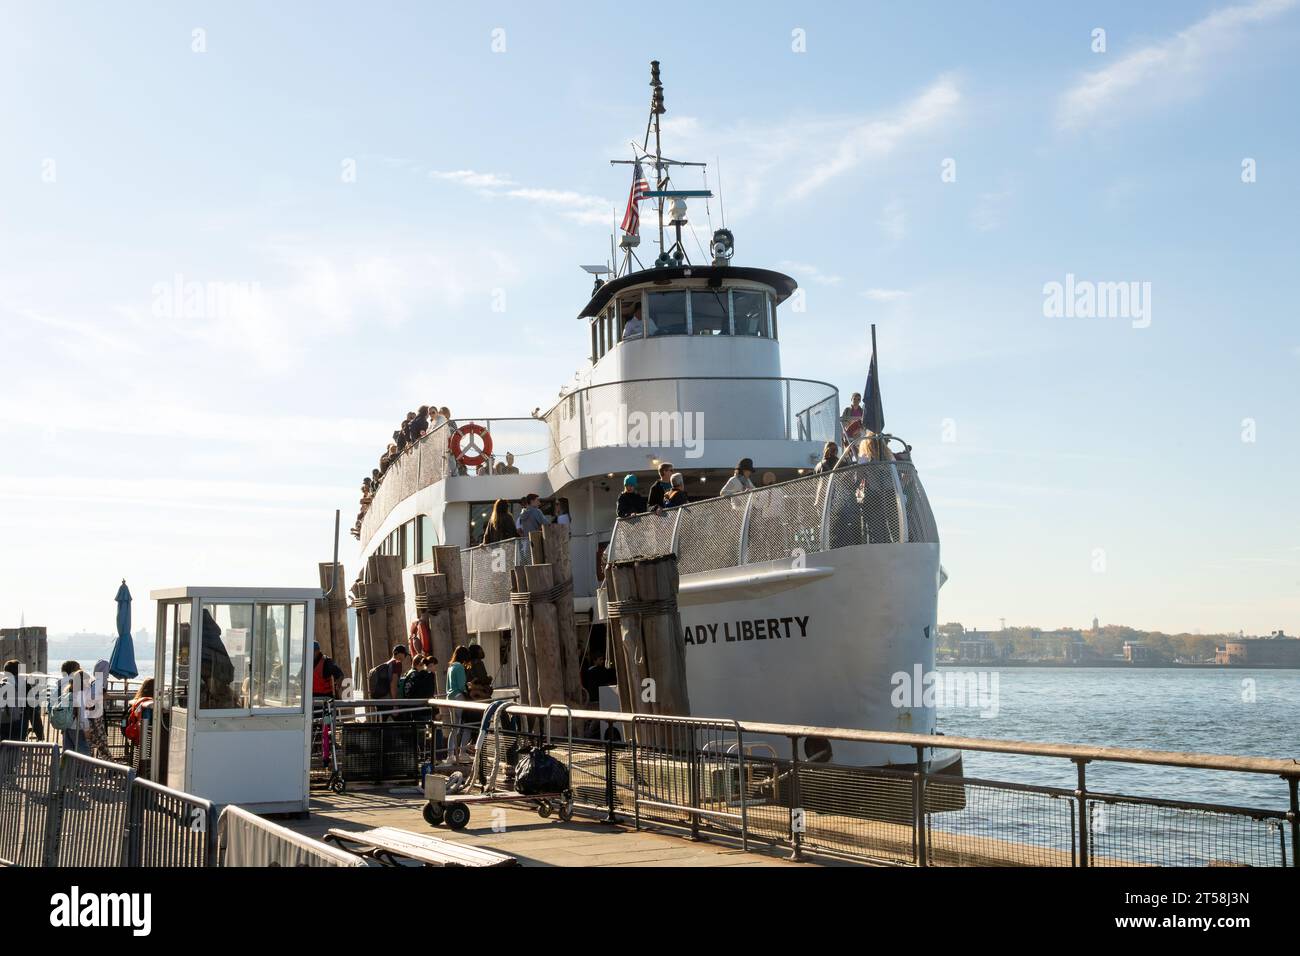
[845, 624]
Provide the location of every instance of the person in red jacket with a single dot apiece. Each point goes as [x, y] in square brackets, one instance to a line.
[325, 675]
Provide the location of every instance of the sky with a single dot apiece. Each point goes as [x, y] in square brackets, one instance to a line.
[389, 203]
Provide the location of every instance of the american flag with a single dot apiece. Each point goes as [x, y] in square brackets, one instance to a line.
[632, 218]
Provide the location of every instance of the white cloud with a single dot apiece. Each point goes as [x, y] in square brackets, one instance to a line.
[877, 138]
[987, 213]
[578, 207]
[1169, 69]
[470, 177]
[803, 270]
[885, 295]
[796, 156]
[893, 220]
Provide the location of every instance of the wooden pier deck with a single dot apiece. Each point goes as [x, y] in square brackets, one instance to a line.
[532, 840]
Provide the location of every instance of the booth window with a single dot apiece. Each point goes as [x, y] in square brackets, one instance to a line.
[667, 313]
[225, 633]
[709, 315]
[252, 656]
[176, 654]
[751, 313]
[277, 654]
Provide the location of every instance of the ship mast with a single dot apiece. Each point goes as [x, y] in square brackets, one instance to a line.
[662, 191]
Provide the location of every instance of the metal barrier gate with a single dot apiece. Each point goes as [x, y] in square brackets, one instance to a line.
[29, 776]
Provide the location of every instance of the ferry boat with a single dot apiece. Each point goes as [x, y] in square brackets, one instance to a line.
[810, 600]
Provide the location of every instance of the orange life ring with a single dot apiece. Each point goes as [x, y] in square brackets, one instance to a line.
[474, 454]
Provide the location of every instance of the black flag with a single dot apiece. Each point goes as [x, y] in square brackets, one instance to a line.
[873, 413]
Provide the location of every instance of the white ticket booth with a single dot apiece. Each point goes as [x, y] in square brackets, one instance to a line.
[232, 714]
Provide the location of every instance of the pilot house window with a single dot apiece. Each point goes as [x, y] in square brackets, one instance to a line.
[751, 313]
[709, 314]
[667, 313]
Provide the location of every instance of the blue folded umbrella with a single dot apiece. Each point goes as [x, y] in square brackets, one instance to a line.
[121, 663]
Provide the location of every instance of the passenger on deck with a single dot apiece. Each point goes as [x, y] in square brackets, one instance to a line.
[531, 518]
[874, 448]
[851, 417]
[661, 487]
[510, 468]
[830, 455]
[740, 480]
[630, 502]
[677, 496]
[562, 511]
[501, 523]
[420, 425]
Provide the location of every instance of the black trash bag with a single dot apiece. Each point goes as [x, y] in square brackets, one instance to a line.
[539, 772]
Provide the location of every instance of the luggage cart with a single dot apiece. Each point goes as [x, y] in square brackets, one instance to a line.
[325, 745]
[449, 800]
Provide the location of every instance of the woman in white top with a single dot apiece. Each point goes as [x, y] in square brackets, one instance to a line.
[562, 511]
[740, 481]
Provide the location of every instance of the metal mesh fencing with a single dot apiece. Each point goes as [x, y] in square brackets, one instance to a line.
[921, 527]
[866, 813]
[647, 535]
[863, 507]
[988, 823]
[91, 812]
[378, 751]
[490, 567]
[28, 787]
[688, 773]
[785, 519]
[169, 828]
[1134, 831]
[709, 535]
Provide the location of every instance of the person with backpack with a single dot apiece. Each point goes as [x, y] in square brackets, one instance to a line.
[139, 711]
[382, 681]
[325, 675]
[421, 682]
[68, 707]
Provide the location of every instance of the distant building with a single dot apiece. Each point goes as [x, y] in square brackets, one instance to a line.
[1135, 652]
[1276, 650]
[978, 646]
[1096, 624]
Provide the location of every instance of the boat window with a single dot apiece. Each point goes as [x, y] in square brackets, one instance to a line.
[629, 318]
[600, 331]
[595, 350]
[479, 512]
[614, 328]
[709, 315]
[751, 313]
[425, 538]
[667, 313]
[408, 544]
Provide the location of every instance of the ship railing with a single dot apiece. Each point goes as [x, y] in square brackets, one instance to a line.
[485, 568]
[429, 460]
[879, 502]
[779, 785]
[665, 412]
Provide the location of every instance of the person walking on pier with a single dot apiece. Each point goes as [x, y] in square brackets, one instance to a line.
[457, 689]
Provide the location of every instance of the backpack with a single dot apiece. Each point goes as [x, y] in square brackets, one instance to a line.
[134, 718]
[63, 712]
[406, 683]
[379, 680]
